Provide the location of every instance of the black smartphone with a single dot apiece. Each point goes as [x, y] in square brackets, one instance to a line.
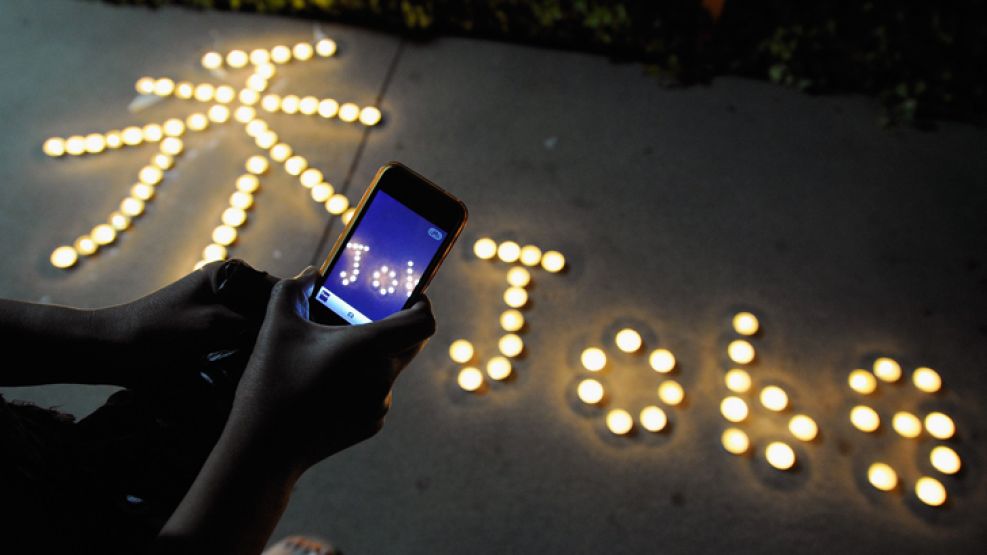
[383, 261]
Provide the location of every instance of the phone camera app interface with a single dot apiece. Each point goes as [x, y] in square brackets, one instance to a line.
[382, 263]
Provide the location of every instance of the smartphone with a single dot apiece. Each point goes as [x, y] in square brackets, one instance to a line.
[388, 253]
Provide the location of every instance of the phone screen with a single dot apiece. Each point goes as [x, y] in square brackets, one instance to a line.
[382, 263]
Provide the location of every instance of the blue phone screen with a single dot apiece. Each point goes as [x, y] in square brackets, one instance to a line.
[382, 263]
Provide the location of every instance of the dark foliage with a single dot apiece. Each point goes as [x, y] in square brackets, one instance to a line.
[923, 60]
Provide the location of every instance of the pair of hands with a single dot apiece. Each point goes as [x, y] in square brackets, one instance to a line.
[308, 390]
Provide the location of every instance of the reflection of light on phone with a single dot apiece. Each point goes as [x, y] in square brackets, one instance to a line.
[347, 277]
[409, 278]
[385, 280]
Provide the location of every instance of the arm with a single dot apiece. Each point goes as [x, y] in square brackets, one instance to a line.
[308, 391]
[137, 344]
[59, 343]
[236, 500]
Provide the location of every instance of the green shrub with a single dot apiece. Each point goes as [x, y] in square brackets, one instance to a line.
[923, 60]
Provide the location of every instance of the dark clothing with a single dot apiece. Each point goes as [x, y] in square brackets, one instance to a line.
[109, 482]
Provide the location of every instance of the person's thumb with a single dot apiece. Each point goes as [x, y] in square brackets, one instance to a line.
[289, 297]
[402, 330]
[240, 287]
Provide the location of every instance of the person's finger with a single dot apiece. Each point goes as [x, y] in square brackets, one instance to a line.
[307, 278]
[402, 330]
[308, 272]
[240, 287]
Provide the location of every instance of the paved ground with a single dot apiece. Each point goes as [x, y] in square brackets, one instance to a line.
[674, 207]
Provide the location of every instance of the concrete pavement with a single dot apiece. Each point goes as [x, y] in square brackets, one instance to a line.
[675, 208]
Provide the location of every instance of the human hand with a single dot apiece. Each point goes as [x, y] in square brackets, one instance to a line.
[311, 390]
[156, 339]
